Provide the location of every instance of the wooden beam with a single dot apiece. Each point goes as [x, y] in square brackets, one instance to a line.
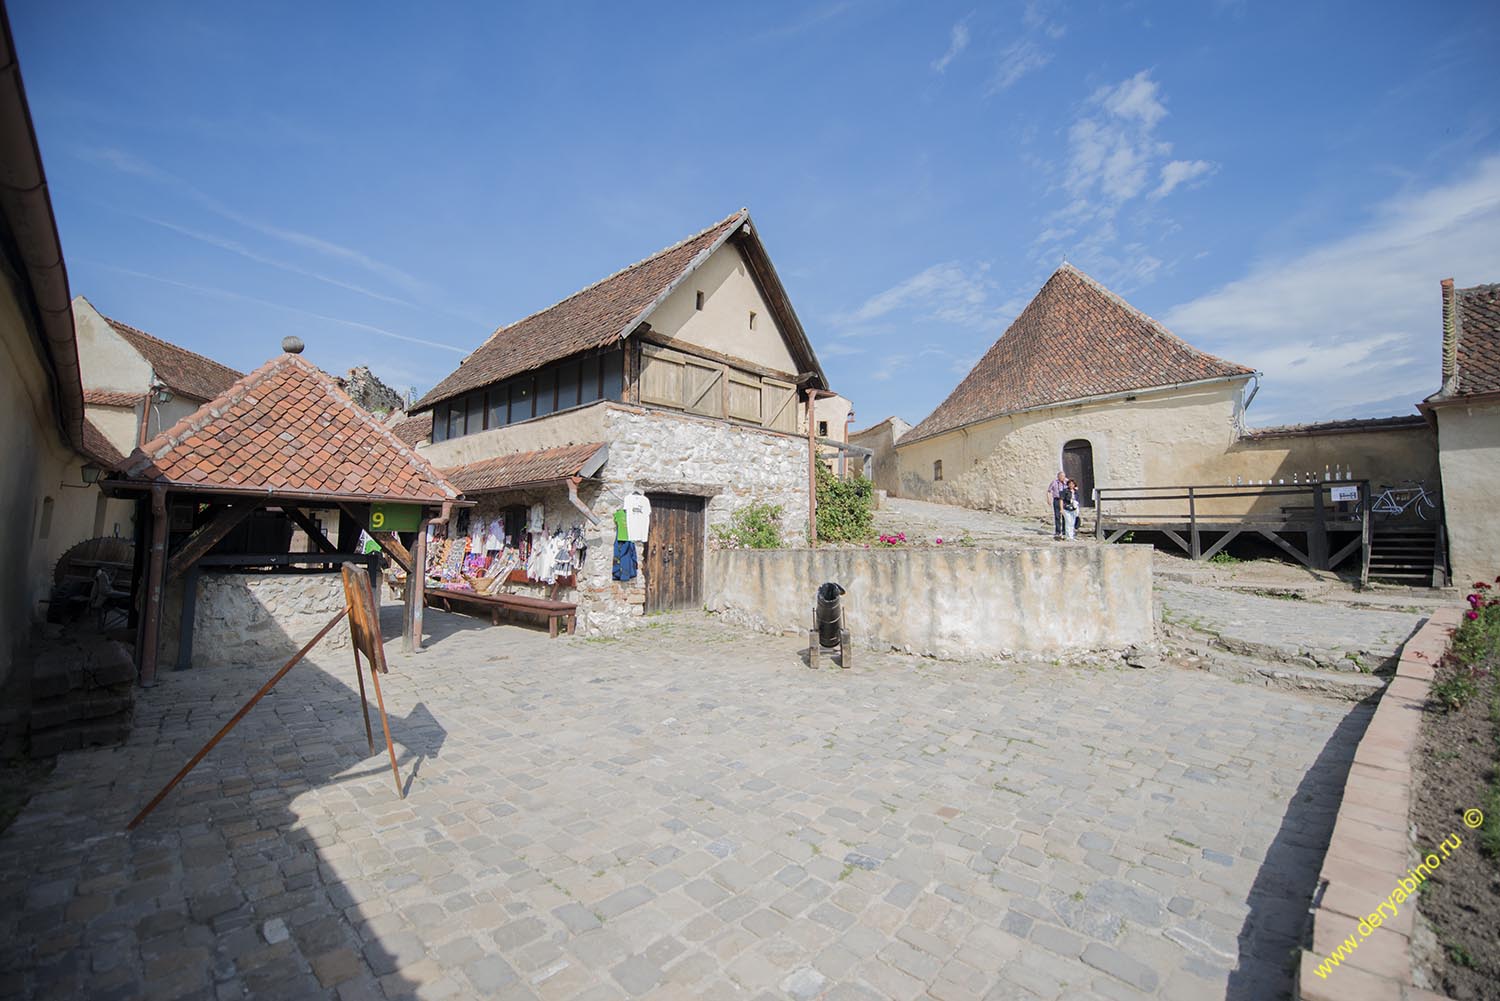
[302, 520]
[1224, 540]
[1177, 539]
[1343, 554]
[208, 536]
[1299, 556]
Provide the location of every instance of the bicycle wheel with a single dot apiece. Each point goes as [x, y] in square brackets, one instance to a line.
[1424, 504]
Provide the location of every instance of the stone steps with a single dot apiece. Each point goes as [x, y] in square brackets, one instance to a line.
[83, 695]
[1191, 650]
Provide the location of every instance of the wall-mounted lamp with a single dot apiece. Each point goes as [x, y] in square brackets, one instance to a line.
[90, 473]
[161, 394]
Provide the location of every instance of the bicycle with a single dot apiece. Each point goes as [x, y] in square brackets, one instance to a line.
[1390, 501]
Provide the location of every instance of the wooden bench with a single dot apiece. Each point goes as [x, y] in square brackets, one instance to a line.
[564, 612]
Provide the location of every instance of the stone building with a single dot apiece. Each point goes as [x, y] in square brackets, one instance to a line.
[680, 377]
[881, 440]
[1084, 382]
[1466, 412]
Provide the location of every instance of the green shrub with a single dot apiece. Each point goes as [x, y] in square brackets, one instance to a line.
[1458, 688]
[754, 526]
[846, 508]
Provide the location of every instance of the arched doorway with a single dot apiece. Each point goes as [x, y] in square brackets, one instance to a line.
[1078, 463]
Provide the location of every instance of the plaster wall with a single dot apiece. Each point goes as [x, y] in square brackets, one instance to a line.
[881, 440]
[164, 415]
[106, 360]
[835, 410]
[34, 458]
[949, 603]
[730, 295]
[1469, 439]
[570, 427]
[1005, 464]
[1383, 456]
[119, 424]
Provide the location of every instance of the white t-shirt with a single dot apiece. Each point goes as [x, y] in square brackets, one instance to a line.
[637, 517]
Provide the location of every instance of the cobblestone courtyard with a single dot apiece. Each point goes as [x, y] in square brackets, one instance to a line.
[685, 813]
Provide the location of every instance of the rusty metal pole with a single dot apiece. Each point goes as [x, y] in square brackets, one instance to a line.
[156, 571]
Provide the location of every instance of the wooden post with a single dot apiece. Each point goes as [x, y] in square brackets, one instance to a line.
[812, 473]
[416, 584]
[156, 571]
[1098, 512]
[1366, 531]
[1196, 549]
[1318, 545]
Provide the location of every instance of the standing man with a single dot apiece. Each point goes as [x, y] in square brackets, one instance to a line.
[1055, 491]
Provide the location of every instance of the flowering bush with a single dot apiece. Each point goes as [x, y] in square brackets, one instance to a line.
[1477, 641]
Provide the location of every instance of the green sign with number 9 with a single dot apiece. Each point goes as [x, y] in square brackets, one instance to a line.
[395, 517]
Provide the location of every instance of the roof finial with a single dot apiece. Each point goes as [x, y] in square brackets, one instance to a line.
[292, 345]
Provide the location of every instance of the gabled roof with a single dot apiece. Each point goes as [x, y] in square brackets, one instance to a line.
[1074, 340]
[522, 469]
[111, 398]
[184, 372]
[98, 448]
[414, 430]
[611, 309]
[287, 430]
[1471, 341]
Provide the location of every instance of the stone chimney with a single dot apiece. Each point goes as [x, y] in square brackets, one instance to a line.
[1450, 337]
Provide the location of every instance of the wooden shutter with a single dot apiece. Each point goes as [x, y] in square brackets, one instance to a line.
[779, 405]
[662, 376]
[744, 397]
[704, 385]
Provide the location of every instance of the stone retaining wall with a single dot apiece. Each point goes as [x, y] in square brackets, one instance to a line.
[1368, 854]
[949, 603]
[259, 620]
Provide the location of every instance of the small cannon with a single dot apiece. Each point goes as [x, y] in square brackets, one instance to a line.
[828, 629]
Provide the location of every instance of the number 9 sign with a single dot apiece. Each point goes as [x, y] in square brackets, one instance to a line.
[377, 519]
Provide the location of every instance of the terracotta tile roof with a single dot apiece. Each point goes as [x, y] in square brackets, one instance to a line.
[1340, 427]
[287, 429]
[1074, 340]
[414, 430]
[519, 469]
[99, 448]
[594, 317]
[184, 372]
[1477, 368]
[110, 398]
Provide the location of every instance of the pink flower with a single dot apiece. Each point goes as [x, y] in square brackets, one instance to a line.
[1471, 614]
[940, 540]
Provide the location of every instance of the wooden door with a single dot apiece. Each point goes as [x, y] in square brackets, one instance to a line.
[674, 553]
[1078, 464]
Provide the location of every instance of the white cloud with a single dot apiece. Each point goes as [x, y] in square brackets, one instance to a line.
[1344, 328]
[956, 46]
[1180, 172]
[1018, 59]
[945, 291]
[1136, 99]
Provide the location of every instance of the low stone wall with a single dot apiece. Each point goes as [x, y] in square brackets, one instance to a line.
[259, 620]
[949, 603]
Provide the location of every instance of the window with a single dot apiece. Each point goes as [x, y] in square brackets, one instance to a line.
[499, 401]
[613, 373]
[752, 319]
[456, 419]
[546, 391]
[700, 301]
[440, 423]
[46, 528]
[937, 470]
[522, 395]
[567, 385]
[474, 406]
[588, 379]
[822, 429]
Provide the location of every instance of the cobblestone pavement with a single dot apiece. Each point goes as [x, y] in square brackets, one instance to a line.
[688, 812]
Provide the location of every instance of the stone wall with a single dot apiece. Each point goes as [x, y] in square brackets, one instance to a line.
[730, 464]
[949, 603]
[258, 620]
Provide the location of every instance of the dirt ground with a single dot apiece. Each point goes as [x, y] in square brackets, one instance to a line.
[1455, 762]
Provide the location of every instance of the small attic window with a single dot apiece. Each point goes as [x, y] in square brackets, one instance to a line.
[937, 470]
[700, 300]
[752, 319]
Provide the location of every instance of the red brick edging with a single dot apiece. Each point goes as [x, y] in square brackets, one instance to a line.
[1368, 853]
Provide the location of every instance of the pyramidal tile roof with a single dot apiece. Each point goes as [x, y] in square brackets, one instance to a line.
[184, 372]
[1074, 340]
[288, 429]
[594, 317]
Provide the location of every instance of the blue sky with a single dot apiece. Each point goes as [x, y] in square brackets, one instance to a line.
[1281, 184]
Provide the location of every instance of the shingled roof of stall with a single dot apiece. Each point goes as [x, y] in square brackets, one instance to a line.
[288, 431]
[529, 469]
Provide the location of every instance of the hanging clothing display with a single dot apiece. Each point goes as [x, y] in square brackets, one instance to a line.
[637, 517]
[622, 530]
[536, 521]
[625, 561]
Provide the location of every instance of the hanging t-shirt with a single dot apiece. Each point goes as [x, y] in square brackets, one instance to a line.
[637, 517]
[535, 522]
[622, 532]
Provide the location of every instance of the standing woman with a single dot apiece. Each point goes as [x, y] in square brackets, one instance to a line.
[1070, 508]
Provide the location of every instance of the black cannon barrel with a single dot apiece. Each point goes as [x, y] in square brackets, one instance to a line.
[830, 613]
